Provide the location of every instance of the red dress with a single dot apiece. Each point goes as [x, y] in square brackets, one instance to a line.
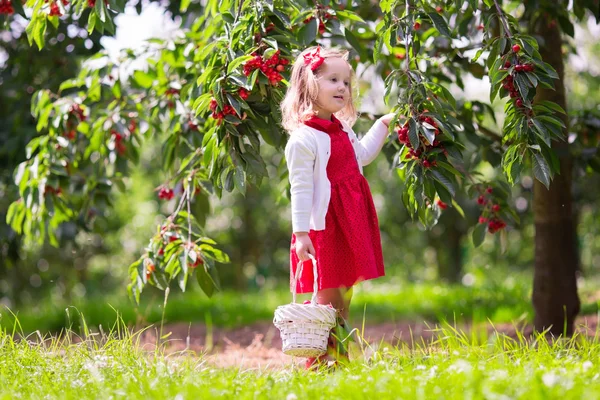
[348, 250]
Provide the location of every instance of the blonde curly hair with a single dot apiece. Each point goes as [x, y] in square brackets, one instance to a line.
[298, 104]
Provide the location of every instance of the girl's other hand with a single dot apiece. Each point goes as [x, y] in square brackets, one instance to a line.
[386, 119]
[304, 246]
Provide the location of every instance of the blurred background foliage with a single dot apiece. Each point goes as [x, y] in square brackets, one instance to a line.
[255, 230]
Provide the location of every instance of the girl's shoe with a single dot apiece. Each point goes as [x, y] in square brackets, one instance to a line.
[315, 363]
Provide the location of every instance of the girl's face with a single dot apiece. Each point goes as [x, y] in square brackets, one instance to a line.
[334, 87]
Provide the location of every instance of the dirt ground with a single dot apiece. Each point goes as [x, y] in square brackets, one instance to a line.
[258, 346]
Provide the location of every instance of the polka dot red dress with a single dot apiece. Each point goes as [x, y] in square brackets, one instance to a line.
[348, 250]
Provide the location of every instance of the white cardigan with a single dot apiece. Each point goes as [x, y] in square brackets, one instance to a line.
[307, 153]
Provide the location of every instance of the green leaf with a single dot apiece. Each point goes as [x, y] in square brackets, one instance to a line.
[183, 264]
[377, 48]
[71, 83]
[205, 281]
[116, 89]
[349, 15]
[458, 208]
[552, 120]
[444, 181]
[552, 106]
[142, 78]
[522, 85]
[240, 179]
[354, 42]
[479, 234]
[91, 22]
[237, 62]
[440, 24]
[541, 131]
[214, 253]
[308, 33]
[541, 170]
[184, 5]
[100, 9]
[413, 136]
[39, 32]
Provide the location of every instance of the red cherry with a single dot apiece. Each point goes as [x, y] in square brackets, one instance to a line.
[165, 193]
[489, 189]
[321, 28]
[519, 103]
[481, 200]
[417, 26]
[441, 204]
[307, 20]
[495, 208]
[516, 48]
[280, 68]
[439, 9]
[482, 220]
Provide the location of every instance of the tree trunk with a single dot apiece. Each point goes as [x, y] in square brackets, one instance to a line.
[555, 298]
[447, 244]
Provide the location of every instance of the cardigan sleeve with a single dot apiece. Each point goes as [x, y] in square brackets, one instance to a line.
[370, 145]
[300, 159]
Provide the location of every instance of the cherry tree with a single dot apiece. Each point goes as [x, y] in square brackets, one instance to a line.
[212, 95]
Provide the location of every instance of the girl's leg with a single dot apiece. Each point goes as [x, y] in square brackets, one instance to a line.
[335, 298]
[340, 299]
[332, 296]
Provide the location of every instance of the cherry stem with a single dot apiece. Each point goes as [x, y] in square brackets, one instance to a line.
[188, 200]
[503, 19]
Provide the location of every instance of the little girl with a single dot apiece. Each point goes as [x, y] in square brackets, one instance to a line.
[333, 216]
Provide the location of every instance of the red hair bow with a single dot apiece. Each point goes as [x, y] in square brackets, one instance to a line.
[314, 59]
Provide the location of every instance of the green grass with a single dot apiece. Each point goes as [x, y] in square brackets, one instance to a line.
[455, 366]
[387, 300]
[381, 302]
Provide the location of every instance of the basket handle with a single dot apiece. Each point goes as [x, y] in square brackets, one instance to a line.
[313, 300]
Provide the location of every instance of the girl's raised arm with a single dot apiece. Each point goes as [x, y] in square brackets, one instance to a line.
[370, 145]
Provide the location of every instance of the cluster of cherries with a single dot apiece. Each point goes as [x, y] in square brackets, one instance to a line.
[50, 190]
[170, 93]
[119, 145]
[55, 9]
[220, 115]
[325, 16]
[169, 235]
[92, 3]
[75, 116]
[509, 82]
[495, 223]
[227, 109]
[77, 111]
[6, 7]
[416, 153]
[271, 67]
[165, 193]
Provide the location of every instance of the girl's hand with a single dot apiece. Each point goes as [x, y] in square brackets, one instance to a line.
[386, 119]
[304, 246]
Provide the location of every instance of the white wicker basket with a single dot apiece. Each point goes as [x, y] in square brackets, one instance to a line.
[304, 328]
